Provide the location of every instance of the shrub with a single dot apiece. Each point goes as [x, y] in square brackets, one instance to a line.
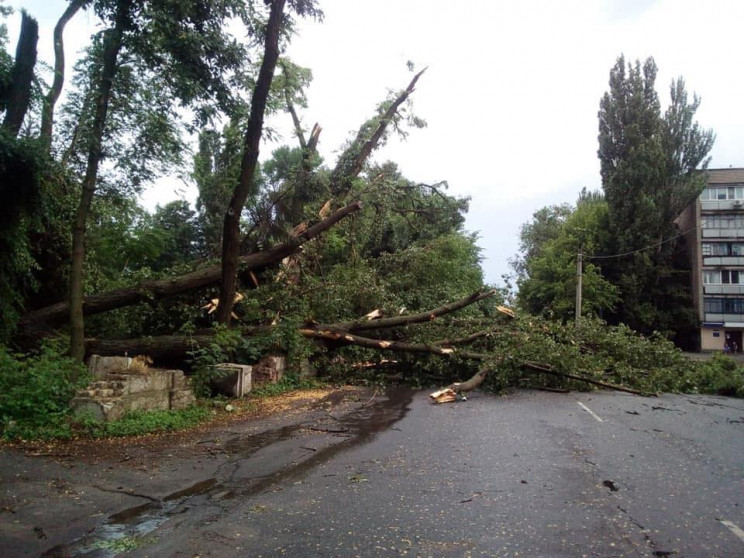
[36, 389]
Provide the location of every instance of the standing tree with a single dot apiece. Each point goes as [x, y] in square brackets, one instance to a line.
[547, 267]
[650, 165]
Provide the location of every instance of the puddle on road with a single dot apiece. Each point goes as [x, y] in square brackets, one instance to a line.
[131, 528]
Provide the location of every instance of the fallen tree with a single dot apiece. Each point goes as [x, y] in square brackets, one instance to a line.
[178, 346]
[51, 316]
[174, 346]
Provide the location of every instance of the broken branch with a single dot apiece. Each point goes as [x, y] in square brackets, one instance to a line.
[365, 325]
[547, 369]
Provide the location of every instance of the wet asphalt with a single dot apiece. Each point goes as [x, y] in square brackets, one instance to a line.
[531, 474]
[528, 474]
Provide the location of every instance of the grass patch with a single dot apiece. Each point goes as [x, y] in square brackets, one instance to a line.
[136, 423]
[287, 384]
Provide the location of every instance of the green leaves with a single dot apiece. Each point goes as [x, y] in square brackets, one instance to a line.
[547, 285]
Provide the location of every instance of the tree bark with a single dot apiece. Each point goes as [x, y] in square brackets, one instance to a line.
[35, 322]
[112, 40]
[18, 95]
[231, 229]
[47, 114]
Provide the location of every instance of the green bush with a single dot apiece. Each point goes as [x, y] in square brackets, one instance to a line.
[36, 389]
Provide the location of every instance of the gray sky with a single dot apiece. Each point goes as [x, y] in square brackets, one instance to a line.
[511, 93]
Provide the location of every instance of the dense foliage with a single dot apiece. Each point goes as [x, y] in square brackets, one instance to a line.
[636, 265]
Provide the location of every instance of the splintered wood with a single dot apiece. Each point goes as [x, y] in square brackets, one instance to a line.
[446, 395]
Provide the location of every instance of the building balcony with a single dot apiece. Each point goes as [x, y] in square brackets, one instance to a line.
[729, 261]
[723, 289]
[725, 320]
[721, 205]
[733, 234]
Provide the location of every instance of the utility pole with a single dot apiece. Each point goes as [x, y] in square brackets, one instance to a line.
[578, 282]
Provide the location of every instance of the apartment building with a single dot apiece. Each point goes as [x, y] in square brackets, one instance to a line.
[714, 226]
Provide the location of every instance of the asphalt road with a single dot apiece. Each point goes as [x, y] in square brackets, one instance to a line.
[529, 474]
[532, 474]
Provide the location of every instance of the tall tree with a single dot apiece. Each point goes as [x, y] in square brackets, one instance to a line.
[112, 42]
[651, 167]
[231, 227]
[198, 62]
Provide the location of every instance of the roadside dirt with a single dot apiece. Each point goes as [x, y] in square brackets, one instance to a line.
[55, 495]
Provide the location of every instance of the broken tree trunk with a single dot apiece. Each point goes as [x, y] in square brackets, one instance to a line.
[50, 316]
[175, 346]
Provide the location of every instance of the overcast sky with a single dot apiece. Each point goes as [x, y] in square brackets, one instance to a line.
[511, 92]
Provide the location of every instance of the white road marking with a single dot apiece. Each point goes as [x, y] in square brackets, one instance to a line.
[735, 529]
[588, 410]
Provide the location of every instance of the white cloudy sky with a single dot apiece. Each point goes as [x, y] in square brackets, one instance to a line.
[511, 92]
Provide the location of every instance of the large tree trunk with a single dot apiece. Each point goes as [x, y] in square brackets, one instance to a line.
[47, 114]
[17, 97]
[33, 323]
[231, 229]
[112, 40]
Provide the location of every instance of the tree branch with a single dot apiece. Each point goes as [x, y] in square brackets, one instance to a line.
[352, 161]
[47, 114]
[547, 369]
[345, 337]
[396, 321]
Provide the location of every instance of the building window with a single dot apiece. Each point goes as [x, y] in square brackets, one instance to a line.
[723, 248]
[711, 277]
[724, 305]
[717, 193]
[723, 221]
[713, 306]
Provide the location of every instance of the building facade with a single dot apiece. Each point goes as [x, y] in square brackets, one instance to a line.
[714, 229]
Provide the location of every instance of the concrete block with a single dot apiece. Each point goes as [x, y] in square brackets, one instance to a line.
[181, 398]
[236, 381]
[112, 397]
[153, 380]
[99, 366]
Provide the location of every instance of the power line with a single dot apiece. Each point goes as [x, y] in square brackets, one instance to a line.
[652, 246]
